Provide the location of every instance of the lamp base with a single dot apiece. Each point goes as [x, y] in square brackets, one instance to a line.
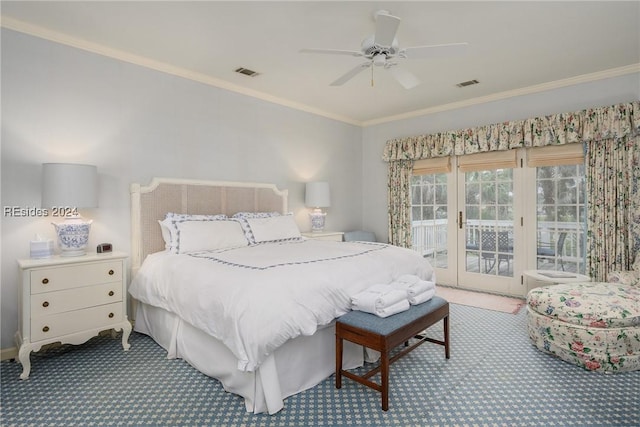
[317, 220]
[73, 235]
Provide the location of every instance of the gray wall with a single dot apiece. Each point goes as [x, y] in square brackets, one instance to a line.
[61, 104]
[572, 98]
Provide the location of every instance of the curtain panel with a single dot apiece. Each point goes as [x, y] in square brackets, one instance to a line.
[613, 211]
[399, 196]
[612, 137]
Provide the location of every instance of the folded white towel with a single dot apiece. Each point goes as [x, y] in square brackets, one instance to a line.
[415, 287]
[377, 297]
[422, 297]
[398, 307]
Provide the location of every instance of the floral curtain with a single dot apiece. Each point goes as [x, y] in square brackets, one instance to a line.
[594, 126]
[613, 217]
[399, 196]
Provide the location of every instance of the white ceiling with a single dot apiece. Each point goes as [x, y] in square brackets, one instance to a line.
[514, 47]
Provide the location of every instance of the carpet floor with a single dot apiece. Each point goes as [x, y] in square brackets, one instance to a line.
[495, 377]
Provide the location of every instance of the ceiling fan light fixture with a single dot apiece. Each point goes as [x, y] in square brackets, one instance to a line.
[380, 59]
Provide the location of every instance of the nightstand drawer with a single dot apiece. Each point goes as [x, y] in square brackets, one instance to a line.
[48, 303]
[58, 278]
[71, 322]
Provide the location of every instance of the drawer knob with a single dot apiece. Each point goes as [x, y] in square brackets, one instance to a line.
[45, 281]
[111, 293]
[45, 304]
[45, 329]
[110, 315]
[110, 272]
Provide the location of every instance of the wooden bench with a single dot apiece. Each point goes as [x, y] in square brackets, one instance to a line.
[384, 334]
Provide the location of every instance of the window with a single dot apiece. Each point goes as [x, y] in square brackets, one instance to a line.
[561, 218]
[429, 217]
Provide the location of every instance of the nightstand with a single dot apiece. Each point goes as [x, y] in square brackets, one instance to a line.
[325, 235]
[69, 300]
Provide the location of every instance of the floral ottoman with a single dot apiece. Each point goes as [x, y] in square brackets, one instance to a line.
[593, 325]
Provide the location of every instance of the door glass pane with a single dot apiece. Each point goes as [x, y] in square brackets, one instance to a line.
[489, 222]
[430, 217]
[561, 219]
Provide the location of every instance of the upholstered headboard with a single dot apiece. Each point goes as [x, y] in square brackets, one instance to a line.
[150, 204]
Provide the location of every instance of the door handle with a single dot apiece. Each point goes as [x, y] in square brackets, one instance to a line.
[460, 219]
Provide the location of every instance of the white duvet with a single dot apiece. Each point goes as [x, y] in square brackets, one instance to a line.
[255, 298]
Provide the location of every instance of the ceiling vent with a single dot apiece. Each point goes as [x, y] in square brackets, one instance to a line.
[246, 72]
[468, 83]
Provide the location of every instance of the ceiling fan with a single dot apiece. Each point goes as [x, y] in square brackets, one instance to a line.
[381, 49]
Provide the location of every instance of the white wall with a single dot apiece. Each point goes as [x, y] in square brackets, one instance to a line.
[573, 98]
[61, 104]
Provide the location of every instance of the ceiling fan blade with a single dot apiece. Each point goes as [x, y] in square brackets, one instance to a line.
[332, 52]
[435, 51]
[405, 78]
[351, 74]
[386, 28]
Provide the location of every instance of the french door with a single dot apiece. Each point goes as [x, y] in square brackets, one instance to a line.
[482, 220]
[489, 249]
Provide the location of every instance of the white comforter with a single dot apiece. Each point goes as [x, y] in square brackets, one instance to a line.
[256, 298]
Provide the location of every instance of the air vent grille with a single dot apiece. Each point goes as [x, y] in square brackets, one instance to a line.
[468, 83]
[247, 72]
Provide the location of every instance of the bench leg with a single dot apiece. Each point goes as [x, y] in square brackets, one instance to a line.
[384, 379]
[338, 361]
[446, 336]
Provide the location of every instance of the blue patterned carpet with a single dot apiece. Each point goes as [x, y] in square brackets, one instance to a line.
[495, 377]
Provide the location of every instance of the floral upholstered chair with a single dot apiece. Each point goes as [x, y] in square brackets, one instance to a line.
[631, 277]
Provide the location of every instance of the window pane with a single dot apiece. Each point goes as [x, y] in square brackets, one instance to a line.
[427, 193]
[415, 195]
[488, 195]
[416, 213]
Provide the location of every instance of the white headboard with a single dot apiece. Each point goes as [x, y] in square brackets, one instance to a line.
[150, 204]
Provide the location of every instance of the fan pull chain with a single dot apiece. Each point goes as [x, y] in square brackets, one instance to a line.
[371, 75]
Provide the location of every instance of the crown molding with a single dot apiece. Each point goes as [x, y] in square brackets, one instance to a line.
[584, 78]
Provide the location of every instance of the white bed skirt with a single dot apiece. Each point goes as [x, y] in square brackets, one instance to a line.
[299, 364]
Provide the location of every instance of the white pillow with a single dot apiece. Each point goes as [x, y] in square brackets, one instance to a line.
[166, 234]
[242, 218]
[275, 228]
[209, 235]
[169, 226]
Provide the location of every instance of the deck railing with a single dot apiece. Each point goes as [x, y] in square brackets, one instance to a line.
[430, 237]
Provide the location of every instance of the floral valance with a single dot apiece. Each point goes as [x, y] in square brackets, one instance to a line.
[616, 121]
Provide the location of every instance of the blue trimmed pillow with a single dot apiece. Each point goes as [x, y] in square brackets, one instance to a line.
[281, 228]
[169, 226]
[205, 235]
[242, 218]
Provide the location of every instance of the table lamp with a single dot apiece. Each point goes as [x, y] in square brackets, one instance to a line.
[317, 196]
[66, 188]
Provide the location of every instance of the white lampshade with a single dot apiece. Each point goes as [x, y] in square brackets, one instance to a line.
[317, 195]
[69, 185]
[66, 188]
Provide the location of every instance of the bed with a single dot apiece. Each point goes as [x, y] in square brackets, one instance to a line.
[258, 315]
